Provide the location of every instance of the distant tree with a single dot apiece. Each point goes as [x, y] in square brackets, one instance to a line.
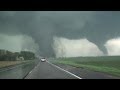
[27, 55]
[10, 56]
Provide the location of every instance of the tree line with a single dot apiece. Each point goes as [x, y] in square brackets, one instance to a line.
[6, 55]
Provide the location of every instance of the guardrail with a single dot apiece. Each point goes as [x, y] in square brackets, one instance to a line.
[17, 71]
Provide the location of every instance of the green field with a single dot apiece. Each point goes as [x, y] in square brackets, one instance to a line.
[108, 64]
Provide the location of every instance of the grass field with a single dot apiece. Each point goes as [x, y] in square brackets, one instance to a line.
[10, 63]
[108, 64]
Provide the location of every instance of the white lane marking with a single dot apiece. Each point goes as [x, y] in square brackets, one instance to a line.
[32, 70]
[64, 70]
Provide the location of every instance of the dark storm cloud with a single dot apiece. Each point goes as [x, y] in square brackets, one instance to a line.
[104, 26]
[43, 26]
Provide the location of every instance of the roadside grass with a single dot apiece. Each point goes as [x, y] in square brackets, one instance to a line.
[109, 64]
[11, 63]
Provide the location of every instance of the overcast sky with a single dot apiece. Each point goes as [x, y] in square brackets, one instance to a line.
[94, 29]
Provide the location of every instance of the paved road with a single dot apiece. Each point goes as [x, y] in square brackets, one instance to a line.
[46, 70]
[85, 73]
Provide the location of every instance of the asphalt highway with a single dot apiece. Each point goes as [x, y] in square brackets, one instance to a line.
[47, 70]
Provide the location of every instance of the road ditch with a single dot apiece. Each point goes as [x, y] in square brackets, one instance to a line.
[18, 71]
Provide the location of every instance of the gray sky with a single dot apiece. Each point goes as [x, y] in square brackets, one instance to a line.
[96, 26]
